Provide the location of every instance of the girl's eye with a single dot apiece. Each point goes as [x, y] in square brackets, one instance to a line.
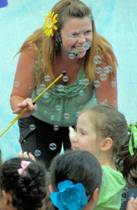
[82, 133]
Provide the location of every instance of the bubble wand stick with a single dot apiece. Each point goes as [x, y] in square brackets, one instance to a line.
[15, 119]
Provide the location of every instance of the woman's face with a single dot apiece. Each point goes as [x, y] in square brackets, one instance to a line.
[76, 36]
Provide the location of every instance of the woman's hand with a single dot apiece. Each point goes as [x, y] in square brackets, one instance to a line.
[28, 155]
[27, 105]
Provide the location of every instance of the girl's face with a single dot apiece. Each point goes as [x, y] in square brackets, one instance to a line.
[86, 137]
[77, 35]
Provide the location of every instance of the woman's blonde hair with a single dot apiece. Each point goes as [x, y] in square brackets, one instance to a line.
[46, 46]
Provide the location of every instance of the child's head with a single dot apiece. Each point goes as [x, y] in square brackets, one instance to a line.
[22, 184]
[75, 179]
[127, 158]
[100, 130]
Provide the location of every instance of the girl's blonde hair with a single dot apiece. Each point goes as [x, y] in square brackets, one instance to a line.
[46, 46]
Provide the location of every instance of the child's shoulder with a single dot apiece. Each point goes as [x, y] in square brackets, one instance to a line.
[111, 189]
[113, 176]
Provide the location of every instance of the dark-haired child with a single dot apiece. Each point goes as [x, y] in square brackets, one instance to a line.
[75, 181]
[22, 184]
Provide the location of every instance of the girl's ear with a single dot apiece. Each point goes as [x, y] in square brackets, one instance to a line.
[106, 144]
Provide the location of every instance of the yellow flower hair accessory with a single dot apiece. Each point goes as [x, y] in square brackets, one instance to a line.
[50, 24]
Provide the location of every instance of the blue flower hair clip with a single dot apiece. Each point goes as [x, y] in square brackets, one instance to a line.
[70, 196]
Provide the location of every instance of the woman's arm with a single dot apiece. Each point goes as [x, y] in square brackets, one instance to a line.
[106, 90]
[24, 83]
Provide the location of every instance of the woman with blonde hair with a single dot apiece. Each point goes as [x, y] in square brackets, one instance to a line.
[67, 42]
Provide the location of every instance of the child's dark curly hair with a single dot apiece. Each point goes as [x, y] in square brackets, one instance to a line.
[27, 188]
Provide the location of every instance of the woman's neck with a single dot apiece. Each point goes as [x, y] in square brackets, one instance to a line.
[71, 67]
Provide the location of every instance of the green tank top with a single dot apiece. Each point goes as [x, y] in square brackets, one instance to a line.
[61, 104]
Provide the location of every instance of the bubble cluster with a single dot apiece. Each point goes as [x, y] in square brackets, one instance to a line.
[103, 72]
[47, 78]
[84, 82]
[97, 83]
[107, 69]
[103, 77]
[97, 59]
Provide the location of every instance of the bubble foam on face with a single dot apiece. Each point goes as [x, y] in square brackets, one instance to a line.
[74, 53]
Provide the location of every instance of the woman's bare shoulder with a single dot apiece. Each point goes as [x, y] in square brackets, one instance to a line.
[30, 51]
